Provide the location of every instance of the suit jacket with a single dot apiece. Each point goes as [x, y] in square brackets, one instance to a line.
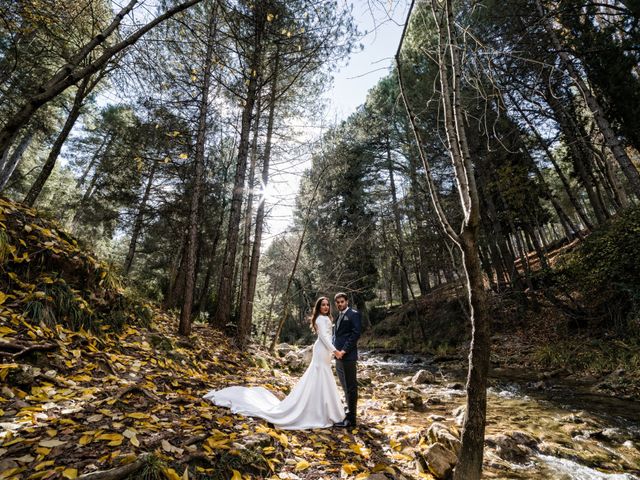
[346, 334]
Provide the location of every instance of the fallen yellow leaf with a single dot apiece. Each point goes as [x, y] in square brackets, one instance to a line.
[70, 473]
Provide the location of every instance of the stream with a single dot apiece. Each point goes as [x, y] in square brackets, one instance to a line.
[579, 435]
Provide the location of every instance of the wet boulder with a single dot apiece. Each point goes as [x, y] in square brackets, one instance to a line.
[306, 354]
[284, 348]
[439, 433]
[293, 361]
[395, 405]
[513, 446]
[414, 400]
[423, 376]
[437, 460]
[459, 414]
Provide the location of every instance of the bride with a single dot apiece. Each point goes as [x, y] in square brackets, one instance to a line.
[314, 402]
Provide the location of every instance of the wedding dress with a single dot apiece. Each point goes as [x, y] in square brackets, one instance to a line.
[314, 402]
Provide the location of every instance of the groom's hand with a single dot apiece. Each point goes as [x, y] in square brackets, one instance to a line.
[339, 354]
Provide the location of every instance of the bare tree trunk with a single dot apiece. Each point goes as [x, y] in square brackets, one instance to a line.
[246, 312]
[565, 182]
[224, 300]
[469, 466]
[106, 145]
[174, 274]
[244, 323]
[137, 225]
[404, 295]
[599, 117]
[194, 214]
[8, 167]
[85, 198]
[81, 93]
[580, 162]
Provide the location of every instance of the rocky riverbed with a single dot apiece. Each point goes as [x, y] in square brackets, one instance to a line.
[537, 427]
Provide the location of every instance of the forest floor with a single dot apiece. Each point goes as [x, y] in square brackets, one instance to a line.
[77, 403]
[95, 383]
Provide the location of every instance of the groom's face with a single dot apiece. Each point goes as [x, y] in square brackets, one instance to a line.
[341, 303]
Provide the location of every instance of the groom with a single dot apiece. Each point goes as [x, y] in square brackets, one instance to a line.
[346, 332]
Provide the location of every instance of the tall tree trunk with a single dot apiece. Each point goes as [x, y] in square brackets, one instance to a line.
[88, 193]
[224, 299]
[611, 140]
[104, 147]
[469, 466]
[420, 216]
[81, 93]
[244, 327]
[187, 303]
[404, 295]
[202, 298]
[175, 273]
[543, 144]
[246, 306]
[137, 224]
[8, 167]
[581, 164]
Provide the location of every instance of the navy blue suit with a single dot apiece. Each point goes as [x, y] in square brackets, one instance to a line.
[346, 332]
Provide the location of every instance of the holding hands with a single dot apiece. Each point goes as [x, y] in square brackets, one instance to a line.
[338, 353]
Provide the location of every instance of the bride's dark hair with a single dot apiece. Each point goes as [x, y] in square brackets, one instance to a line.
[316, 312]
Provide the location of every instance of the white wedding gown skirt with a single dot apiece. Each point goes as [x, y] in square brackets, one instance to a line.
[314, 402]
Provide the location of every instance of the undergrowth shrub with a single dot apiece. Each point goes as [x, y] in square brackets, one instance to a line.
[605, 271]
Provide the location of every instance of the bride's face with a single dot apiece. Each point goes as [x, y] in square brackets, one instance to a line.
[324, 307]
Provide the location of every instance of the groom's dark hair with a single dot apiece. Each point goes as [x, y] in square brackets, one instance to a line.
[340, 295]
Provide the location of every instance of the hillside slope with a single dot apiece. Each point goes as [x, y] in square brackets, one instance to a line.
[96, 384]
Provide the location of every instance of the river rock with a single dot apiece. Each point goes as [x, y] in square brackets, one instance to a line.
[377, 476]
[513, 446]
[524, 438]
[293, 361]
[455, 386]
[395, 404]
[610, 434]
[414, 399]
[459, 413]
[437, 460]
[284, 348]
[422, 377]
[306, 354]
[439, 433]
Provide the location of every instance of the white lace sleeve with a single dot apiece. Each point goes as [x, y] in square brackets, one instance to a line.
[324, 332]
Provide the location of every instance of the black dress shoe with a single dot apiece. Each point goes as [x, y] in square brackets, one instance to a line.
[346, 423]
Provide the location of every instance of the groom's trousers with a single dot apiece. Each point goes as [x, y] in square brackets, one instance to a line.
[347, 374]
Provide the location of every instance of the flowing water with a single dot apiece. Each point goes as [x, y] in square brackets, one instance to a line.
[578, 435]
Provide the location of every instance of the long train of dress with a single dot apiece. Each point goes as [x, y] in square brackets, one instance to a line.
[314, 402]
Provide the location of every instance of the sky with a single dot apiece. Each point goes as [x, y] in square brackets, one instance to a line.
[380, 24]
